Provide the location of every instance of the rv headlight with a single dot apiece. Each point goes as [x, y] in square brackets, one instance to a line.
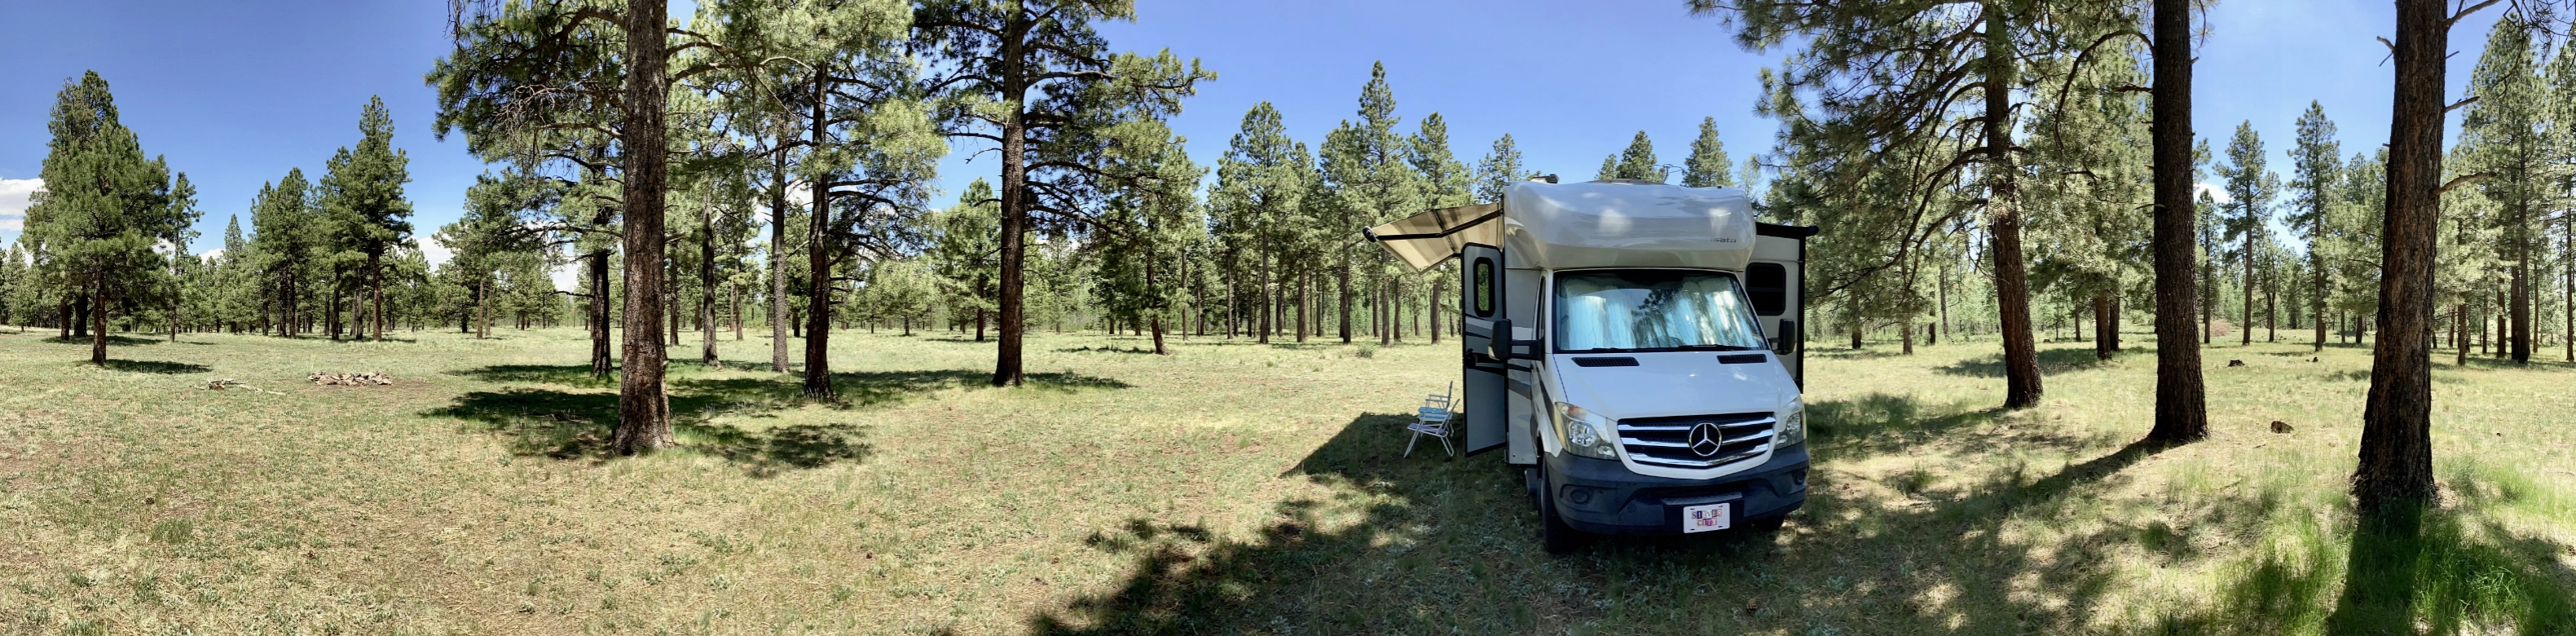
[1793, 428]
[1585, 433]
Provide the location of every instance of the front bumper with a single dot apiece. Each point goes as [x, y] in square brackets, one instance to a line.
[1602, 496]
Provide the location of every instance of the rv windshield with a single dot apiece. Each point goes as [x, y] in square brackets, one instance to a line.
[1653, 310]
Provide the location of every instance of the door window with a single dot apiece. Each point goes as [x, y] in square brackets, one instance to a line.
[1768, 285]
[1483, 277]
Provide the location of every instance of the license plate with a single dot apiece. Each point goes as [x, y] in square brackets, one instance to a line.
[1706, 518]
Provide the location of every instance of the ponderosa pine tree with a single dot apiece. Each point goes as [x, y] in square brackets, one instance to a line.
[2182, 411]
[1898, 76]
[1035, 78]
[1262, 184]
[2505, 137]
[1153, 221]
[965, 251]
[1638, 161]
[104, 208]
[1708, 165]
[2316, 163]
[1366, 181]
[2396, 468]
[537, 80]
[2250, 190]
[366, 190]
[183, 200]
[1446, 183]
[1499, 170]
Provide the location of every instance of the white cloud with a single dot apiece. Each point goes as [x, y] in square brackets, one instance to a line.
[13, 202]
[435, 253]
[2215, 192]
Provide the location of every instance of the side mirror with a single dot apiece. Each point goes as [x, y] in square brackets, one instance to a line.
[1499, 347]
[1787, 341]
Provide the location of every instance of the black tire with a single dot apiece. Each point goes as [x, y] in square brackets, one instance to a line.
[1553, 535]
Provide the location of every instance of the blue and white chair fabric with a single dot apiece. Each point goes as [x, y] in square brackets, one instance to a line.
[1433, 420]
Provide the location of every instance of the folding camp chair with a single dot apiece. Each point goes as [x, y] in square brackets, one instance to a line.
[1433, 420]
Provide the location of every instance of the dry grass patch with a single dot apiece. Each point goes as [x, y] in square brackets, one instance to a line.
[1232, 488]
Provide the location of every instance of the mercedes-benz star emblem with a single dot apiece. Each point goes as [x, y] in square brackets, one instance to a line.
[1705, 440]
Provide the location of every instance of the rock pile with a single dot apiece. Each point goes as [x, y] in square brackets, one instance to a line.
[351, 379]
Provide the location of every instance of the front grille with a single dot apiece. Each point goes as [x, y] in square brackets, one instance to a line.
[1666, 441]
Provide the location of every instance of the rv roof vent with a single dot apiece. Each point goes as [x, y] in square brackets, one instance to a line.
[1543, 177]
[1629, 181]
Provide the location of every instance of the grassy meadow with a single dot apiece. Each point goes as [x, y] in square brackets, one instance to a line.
[1231, 488]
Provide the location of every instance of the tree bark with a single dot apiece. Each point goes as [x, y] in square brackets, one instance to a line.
[2396, 467]
[600, 361]
[819, 248]
[2245, 314]
[2182, 413]
[706, 283]
[643, 404]
[2104, 340]
[778, 318]
[2519, 291]
[1016, 80]
[2022, 387]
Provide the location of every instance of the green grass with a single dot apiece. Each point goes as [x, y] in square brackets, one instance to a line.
[1232, 488]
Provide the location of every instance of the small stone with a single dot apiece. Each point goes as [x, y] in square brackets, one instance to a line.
[2236, 363]
[2282, 427]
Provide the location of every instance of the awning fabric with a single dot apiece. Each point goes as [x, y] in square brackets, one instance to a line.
[1425, 240]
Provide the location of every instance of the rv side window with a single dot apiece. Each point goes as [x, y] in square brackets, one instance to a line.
[1484, 292]
[1768, 284]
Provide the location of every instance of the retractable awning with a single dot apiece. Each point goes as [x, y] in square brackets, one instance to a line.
[1426, 240]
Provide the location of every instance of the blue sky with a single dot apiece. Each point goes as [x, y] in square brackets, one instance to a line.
[235, 97]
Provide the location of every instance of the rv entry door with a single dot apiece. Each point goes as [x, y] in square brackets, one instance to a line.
[1776, 280]
[1480, 306]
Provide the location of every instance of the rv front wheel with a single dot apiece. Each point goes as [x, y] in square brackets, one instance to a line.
[1553, 535]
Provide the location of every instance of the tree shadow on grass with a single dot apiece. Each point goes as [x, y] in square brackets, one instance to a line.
[578, 425]
[2434, 569]
[112, 341]
[2051, 362]
[156, 366]
[1106, 349]
[1427, 546]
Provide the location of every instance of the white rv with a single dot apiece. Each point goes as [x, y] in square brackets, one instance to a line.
[1634, 345]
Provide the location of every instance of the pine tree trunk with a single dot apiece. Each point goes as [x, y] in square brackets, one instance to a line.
[2519, 303]
[1432, 305]
[2012, 285]
[706, 284]
[779, 322]
[1305, 299]
[820, 245]
[2245, 315]
[643, 403]
[1345, 292]
[1268, 295]
[2396, 467]
[601, 362]
[1015, 215]
[2182, 413]
[2104, 336]
[2459, 329]
[1159, 349]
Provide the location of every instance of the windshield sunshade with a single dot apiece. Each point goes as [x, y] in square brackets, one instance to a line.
[1650, 310]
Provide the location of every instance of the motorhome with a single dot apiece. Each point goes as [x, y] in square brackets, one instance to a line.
[1633, 346]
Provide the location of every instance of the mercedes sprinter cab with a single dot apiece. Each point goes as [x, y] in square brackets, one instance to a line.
[1635, 346]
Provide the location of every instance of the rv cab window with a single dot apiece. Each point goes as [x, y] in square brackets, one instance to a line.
[1653, 310]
